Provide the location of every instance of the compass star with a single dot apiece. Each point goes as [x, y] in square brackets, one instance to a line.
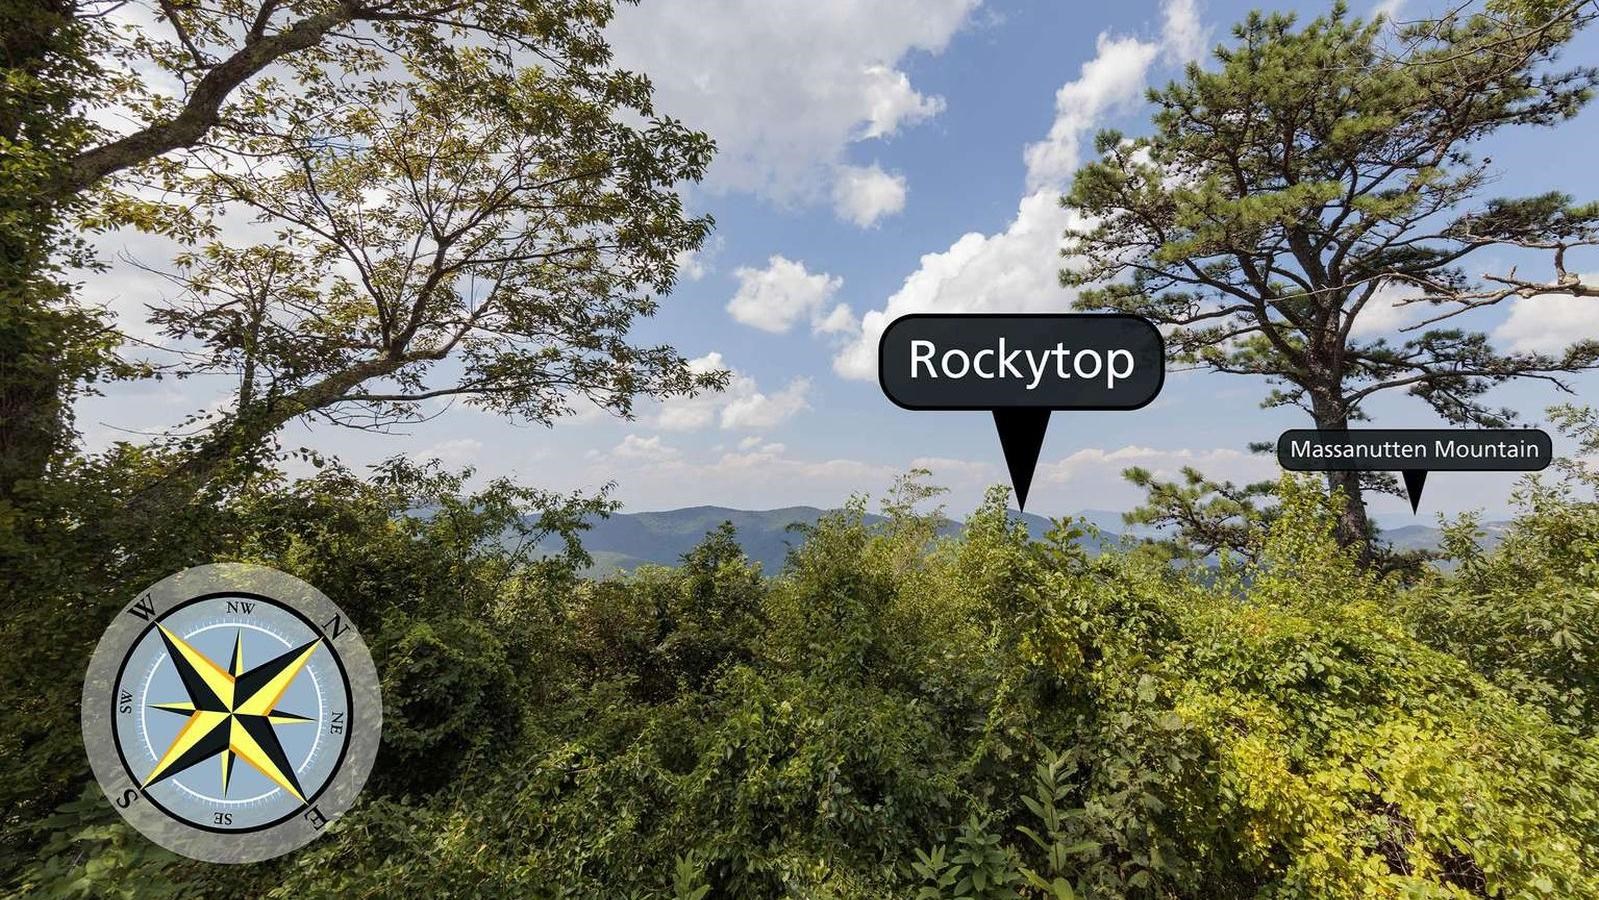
[231, 712]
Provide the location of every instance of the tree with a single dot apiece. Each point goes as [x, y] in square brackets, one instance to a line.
[1314, 176]
[469, 201]
[1200, 518]
[48, 345]
[489, 247]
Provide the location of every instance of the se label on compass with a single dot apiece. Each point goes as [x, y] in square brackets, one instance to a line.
[231, 712]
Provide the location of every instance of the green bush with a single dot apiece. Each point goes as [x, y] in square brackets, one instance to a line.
[900, 714]
[1527, 613]
[449, 697]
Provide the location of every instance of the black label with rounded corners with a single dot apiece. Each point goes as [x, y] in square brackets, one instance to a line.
[958, 361]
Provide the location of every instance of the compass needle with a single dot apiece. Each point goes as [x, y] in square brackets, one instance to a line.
[181, 709]
[209, 686]
[238, 654]
[261, 687]
[252, 739]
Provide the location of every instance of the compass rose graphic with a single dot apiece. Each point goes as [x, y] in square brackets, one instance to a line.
[231, 712]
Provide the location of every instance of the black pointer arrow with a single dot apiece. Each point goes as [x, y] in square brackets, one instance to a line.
[1415, 480]
[1021, 436]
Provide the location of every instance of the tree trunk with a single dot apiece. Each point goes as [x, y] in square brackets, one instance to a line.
[36, 325]
[33, 424]
[1354, 526]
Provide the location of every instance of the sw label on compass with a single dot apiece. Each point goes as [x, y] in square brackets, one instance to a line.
[231, 712]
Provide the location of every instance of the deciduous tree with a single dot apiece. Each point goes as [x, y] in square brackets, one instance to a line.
[465, 198]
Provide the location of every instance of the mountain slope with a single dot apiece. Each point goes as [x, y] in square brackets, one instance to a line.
[626, 541]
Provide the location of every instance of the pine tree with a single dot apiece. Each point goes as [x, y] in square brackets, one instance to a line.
[1314, 174]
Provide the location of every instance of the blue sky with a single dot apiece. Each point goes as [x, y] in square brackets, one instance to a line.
[875, 159]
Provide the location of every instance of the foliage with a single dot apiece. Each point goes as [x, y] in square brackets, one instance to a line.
[466, 200]
[519, 229]
[1527, 614]
[1199, 517]
[364, 541]
[51, 347]
[901, 714]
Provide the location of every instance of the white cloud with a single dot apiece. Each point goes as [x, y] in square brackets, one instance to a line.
[785, 86]
[691, 265]
[865, 194]
[1112, 78]
[456, 452]
[1383, 315]
[754, 410]
[1015, 270]
[771, 463]
[758, 475]
[840, 321]
[892, 102]
[644, 449]
[1388, 8]
[1095, 465]
[1549, 323]
[774, 298]
[742, 406]
[1184, 35]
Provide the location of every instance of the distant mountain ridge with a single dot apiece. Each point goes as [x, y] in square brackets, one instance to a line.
[625, 541]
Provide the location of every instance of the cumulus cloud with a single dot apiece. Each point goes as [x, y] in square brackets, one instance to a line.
[1185, 37]
[1094, 466]
[1384, 314]
[691, 265]
[865, 194]
[1549, 323]
[840, 321]
[774, 298]
[786, 86]
[456, 452]
[1015, 269]
[1113, 77]
[1388, 8]
[892, 102]
[644, 449]
[749, 408]
[742, 406]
